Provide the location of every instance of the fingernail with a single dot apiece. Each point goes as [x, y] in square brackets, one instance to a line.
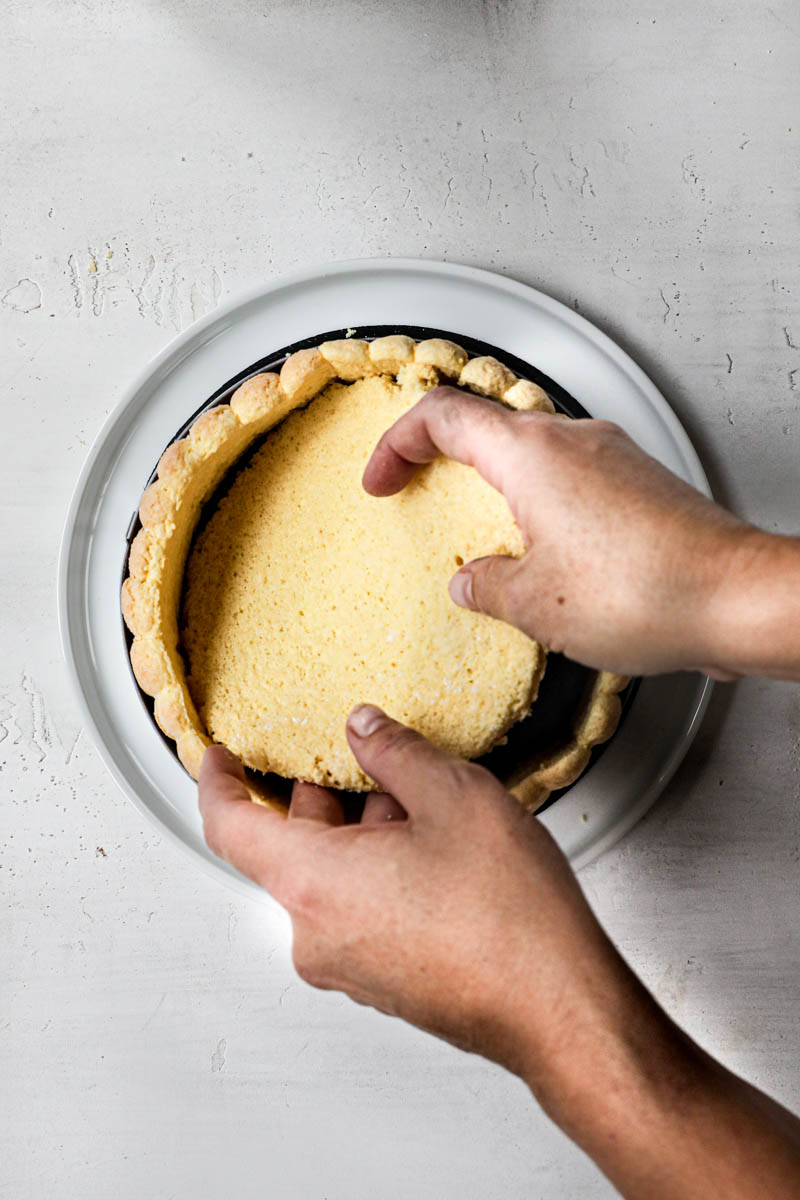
[365, 719]
[460, 588]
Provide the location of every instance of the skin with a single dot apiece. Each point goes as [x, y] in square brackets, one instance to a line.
[485, 939]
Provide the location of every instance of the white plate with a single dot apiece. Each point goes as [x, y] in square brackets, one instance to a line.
[666, 712]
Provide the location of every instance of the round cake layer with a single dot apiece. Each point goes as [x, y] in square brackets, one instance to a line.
[303, 596]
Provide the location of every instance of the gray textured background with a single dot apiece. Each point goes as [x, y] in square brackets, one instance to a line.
[637, 161]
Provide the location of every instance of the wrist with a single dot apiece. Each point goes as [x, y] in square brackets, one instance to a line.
[628, 1093]
[753, 617]
[612, 1054]
[664, 1121]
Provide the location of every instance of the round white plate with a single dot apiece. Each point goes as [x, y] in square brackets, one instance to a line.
[666, 711]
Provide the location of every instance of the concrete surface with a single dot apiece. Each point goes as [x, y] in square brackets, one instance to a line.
[637, 160]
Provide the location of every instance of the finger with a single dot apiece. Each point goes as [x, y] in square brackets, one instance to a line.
[313, 803]
[221, 777]
[496, 586]
[424, 780]
[254, 840]
[380, 808]
[467, 428]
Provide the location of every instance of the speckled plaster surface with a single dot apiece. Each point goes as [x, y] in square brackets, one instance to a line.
[639, 162]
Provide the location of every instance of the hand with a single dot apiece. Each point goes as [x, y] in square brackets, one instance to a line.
[628, 568]
[446, 905]
[452, 907]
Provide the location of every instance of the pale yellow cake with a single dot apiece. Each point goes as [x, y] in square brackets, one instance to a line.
[304, 595]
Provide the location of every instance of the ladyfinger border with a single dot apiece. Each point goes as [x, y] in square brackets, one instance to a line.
[190, 469]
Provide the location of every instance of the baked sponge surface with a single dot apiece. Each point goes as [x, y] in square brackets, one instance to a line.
[304, 596]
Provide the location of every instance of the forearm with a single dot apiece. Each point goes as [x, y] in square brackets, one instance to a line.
[515, 966]
[661, 1118]
[754, 620]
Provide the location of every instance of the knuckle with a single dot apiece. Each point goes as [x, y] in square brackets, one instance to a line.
[212, 832]
[603, 430]
[483, 585]
[308, 965]
[519, 593]
[500, 587]
[488, 574]
[300, 893]
[473, 782]
[452, 402]
[482, 415]
[394, 741]
[303, 962]
[443, 393]
[468, 778]
[384, 440]
[539, 431]
[533, 424]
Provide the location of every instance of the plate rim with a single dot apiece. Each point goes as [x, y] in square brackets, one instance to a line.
[241, 300]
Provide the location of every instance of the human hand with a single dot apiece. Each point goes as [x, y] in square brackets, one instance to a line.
[450, 906]
[462, 916]
[628, 568]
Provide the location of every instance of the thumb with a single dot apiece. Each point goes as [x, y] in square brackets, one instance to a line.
[495, 586]
[424, 779]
